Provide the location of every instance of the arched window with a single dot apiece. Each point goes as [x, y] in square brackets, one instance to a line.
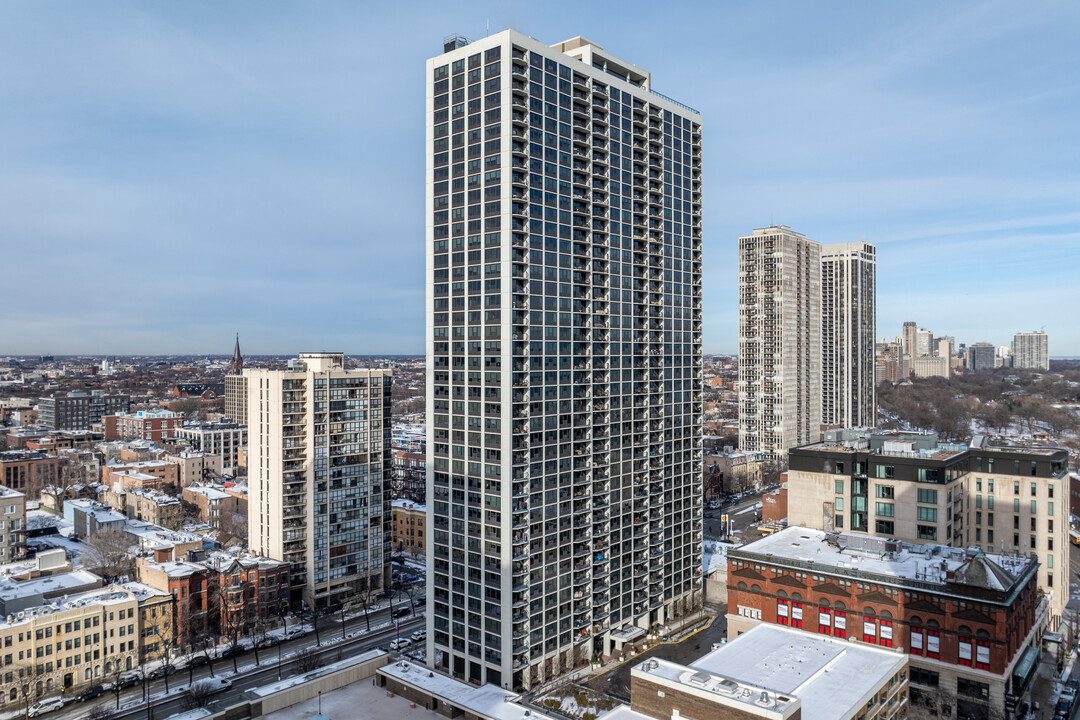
[917, 637]
[869, 625]
[933, 639]
[965, 642]
[840, 619]
[741, 586]
[783, 608]
[885, 629]
[825, 617]
[796, 610]
[982, 649]
[755, 588]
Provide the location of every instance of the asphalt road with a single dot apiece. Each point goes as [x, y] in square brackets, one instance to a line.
[162, 706]
[741, 516]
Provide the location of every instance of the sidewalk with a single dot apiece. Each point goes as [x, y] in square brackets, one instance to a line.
[1046, 688]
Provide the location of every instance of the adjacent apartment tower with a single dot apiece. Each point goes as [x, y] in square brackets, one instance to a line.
[1031, 350]
[564, 452]
[779, 341]
[319, 474]
[848, 281]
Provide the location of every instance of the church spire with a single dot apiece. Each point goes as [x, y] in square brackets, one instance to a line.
[237, 365]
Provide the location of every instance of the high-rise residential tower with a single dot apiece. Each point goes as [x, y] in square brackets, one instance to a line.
[910, 338]
[779, 341]
[848, 282]
[564, 357]
[1031, 350]
[319, 474]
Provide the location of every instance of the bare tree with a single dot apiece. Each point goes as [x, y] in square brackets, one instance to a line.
[110, 553]
[168, 648]
[197, 696]
[28, 686]
[306, 660]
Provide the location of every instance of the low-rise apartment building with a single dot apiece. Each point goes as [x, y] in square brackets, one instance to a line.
[219, 438]
[215, 502]
[153, 506]
[28, 470]
[12, 525]
[192, 587]
[166, 472]
[408, 474]
[971, 621]
[408, 521]
[69, 643]
[153, 425]
[196, 467]
[156, 622]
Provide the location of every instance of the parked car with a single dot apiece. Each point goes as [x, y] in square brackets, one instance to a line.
[400, 643]
[402, 612]
[267, 641]
[160, 671]
[419, 635]
[296, 631]
[90, 693]
[422, 600]
[231, 651]
[199, 661]
[129, 680]
[211, 685]
[47, 705]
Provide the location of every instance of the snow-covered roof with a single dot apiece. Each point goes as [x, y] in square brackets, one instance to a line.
[486, 701]
[832, 678]
[934, 564]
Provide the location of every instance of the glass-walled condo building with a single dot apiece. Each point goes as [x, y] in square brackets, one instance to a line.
[564, 357]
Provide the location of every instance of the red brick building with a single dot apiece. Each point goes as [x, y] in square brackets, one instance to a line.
[971, 622]
[774, 505]
[193, 589]
[153, 425]
[31, 470]
[253, 593]
[409, 474]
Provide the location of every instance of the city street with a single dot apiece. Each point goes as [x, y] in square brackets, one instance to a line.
[742, 517]
[333, 649]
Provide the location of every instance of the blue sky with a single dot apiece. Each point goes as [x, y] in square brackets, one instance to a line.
[171, 173]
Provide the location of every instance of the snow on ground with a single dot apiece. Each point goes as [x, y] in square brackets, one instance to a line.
[714, 555]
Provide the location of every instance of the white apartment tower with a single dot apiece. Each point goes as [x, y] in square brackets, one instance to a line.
[848, 281]
[779, 341]
[319, 474]
[564, 357]
[1031, 350]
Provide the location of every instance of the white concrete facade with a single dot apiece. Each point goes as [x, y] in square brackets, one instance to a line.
[779, 341]
[848, 326]
[319, 473]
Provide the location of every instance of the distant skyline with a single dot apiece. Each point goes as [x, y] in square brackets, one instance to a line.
[173, 173]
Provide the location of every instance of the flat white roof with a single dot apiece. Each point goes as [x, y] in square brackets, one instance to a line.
[830, 676]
